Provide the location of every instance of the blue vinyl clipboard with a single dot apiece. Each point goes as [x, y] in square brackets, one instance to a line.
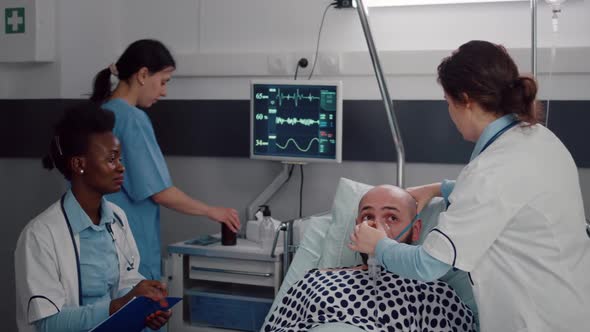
[131, 317]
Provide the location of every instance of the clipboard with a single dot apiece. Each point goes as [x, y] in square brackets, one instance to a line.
[131, 317]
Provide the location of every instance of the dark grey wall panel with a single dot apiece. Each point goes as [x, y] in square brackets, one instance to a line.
[428, 134]
[202, 127]
[570, 121]
[26, 125]
[220, 128]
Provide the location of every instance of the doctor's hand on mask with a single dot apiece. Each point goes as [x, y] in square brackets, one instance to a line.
[227, 216]
[365, 237]
[423, 194]
[152, 289]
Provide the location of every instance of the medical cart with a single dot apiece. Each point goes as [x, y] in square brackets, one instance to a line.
[223, 287]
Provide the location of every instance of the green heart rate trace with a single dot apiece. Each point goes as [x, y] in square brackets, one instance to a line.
[295, 121]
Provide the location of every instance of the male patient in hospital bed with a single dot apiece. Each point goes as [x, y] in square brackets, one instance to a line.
[386, 303]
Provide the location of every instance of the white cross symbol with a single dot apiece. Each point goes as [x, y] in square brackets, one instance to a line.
[15, 20]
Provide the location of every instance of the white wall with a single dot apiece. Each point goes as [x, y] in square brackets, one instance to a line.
[221, 44]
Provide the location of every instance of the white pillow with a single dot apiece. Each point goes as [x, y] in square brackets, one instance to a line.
[335, 251]
[344, 211]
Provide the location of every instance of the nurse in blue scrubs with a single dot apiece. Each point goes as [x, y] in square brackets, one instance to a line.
[143, 71]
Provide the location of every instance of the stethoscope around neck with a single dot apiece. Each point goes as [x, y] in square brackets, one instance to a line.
[130, 262]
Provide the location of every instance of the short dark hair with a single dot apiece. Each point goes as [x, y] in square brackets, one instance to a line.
[149, 53]
[72, 133]
[487, 74]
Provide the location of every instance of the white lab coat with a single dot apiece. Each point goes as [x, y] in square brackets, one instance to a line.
[46, 267]
[516, 223]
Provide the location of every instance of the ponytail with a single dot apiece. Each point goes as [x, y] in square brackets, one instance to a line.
[148, 53]
[102, 86]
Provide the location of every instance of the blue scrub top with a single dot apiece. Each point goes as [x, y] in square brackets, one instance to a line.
[146, 174]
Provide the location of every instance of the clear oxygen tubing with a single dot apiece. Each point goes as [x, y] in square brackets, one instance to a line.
[372, 261]
[374, 274]
[375, 270]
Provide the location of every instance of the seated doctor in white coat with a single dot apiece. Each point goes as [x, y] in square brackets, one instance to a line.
[76, 263]
[516, 218]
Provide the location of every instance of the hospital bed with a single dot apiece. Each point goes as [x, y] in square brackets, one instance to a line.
[324, 245]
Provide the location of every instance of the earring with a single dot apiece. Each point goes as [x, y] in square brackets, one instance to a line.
[81, 171]
[141, 83]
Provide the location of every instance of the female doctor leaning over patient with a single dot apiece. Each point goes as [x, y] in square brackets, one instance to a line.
[143, 72]
[515, 219]
[76, 263]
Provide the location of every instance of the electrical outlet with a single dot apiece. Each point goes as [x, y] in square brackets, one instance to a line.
[329, 64]
[344, 3]
[278, 64]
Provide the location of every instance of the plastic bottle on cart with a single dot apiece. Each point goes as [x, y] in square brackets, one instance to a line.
[267, 229]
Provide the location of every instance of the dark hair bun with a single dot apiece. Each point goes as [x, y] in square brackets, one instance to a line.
[487, 74]
[72, 134]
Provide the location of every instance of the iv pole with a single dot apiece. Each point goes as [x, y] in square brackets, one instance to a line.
[534, 38]
[393, 126]
[387, 101]
[391, 118]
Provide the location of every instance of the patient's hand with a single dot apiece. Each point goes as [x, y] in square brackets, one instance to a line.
[423, 194]
[361, 267]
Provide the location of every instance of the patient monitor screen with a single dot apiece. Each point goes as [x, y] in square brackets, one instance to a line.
[296, 121]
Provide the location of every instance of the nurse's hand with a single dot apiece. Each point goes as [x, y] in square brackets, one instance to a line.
[365, 237]
[226, 216]
[158, 319]
[423, 194]
[152, 289]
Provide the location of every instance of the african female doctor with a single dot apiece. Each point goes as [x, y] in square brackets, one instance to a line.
[75, 263]
[515, 220]
[143, 72]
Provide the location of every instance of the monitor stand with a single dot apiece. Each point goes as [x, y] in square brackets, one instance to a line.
[268, 192]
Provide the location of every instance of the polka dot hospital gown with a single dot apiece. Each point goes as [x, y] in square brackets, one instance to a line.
[347, 296]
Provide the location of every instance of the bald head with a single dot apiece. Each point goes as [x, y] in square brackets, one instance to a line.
[393, 209]
[389, 196]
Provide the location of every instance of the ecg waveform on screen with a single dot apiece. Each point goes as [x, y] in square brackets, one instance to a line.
[283, 147]
[296, 97]
[295, 121]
